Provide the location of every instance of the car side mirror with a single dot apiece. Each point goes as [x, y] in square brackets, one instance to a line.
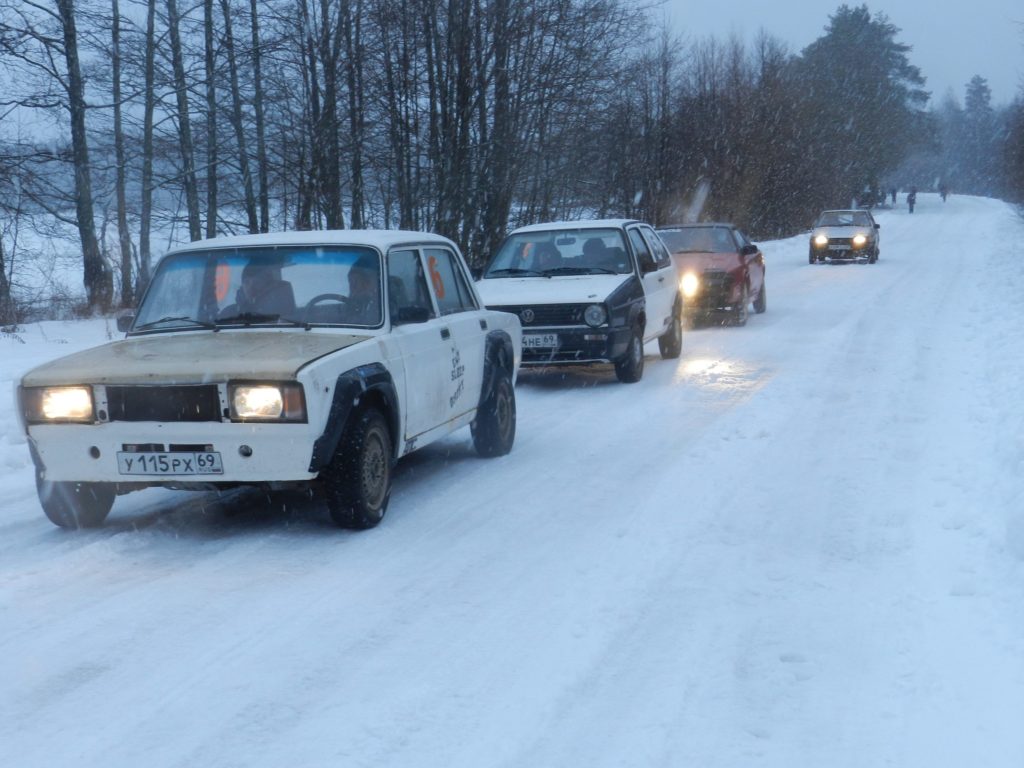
[748, 250]
[125, 320]
[476, 273]
[878, 226]
[647, 265]
[415, 314]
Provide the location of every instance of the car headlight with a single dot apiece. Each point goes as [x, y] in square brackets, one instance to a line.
[689, 285]
[44, 405]
[267, 402]
[595, 315]
[859, 241]
[821, 241]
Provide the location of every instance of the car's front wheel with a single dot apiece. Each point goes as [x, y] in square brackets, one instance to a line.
[630, 369]
[761, 302]
[811, 258]
[741, 311]
[494, 429]
[670, 343]
[75, 505]
[358, 480]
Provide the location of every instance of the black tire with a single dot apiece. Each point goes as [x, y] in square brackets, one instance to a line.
[873, 257]
[670, 343]
[494, 428]
[630, 369]
[75, 505]
[812, 258]
[358, 480]
[761, 302]
[741, 311]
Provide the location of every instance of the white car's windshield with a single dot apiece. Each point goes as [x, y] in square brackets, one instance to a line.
[844, 219]
[554, 252]
[293, 285]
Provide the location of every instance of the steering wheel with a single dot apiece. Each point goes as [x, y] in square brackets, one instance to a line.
[325, 297]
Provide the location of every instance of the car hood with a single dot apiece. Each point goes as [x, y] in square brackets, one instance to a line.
[701, 262]
[565, 289]
[831, 232]
[192, 358]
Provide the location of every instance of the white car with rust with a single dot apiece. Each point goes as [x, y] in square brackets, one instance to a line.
[279, 360]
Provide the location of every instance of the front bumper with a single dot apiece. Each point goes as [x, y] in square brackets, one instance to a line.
[576, 345]
[844, 252]
[249, 453]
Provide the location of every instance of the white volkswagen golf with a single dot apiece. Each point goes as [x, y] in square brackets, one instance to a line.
[279, 360]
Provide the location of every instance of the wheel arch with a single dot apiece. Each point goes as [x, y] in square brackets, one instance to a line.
[499, 354]
[357, 389]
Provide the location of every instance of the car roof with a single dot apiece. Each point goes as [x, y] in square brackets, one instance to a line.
[696, 224]
[846, 210]
[581, 224]
[382, 239]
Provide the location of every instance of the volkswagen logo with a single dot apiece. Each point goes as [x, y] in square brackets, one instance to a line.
[526, 315]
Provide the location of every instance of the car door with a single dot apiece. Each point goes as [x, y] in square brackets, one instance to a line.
[466, 324]
[421, 337]
[659, 285]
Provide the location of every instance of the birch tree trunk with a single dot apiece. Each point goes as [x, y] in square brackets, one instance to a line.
[211, 121]
[146, 212]
[124, 238]
[185, 144]
[236, 120]
[97, 281]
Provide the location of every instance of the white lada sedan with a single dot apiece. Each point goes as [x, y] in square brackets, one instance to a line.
[278, 360]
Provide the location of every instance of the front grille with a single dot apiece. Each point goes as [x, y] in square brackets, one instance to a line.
[181, 403]
[716, 279]
[547, 314]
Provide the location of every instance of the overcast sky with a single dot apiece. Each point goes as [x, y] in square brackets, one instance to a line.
[952, 40]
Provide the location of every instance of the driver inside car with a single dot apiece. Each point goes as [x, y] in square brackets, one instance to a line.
[363, 304]
[263, 292]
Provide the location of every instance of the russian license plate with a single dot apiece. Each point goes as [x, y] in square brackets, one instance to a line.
[839, 247]
[540, 340]
[153, 463]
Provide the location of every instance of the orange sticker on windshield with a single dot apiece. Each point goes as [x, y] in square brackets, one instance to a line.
[221, 282]
[435, 277]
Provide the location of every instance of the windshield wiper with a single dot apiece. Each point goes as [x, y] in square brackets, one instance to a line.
[579, 271]
[175, 319]
[511, 271]
[248, 318]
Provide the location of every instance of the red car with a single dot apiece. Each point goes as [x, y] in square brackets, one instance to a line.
[721, 273]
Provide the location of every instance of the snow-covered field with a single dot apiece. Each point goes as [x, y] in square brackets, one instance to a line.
[801, 544]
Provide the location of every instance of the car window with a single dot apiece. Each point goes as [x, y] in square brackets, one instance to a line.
[266, 285]
[555, 252]
[407, 284]
[448, 282]
[643, 253]
[661, 255]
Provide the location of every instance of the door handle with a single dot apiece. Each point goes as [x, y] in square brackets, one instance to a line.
[661, 279]
[445, 333]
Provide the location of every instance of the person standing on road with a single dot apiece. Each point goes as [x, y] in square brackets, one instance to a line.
[893, 193]
[912, 198]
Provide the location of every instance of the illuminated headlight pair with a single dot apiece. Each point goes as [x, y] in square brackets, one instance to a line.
[689, 285]
[56, 405]
[595, 315]
[267, 402]
[821, 241]
[859, 241]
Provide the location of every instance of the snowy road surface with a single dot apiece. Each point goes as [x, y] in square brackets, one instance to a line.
[800, 544]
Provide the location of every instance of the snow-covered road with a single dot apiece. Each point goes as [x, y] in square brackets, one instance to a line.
[800, 544]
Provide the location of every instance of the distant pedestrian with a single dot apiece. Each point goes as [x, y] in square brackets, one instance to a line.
[912, 198]
[893, 193]
[943, 191]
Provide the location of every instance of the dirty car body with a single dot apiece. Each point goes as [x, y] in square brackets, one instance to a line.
[353, 349]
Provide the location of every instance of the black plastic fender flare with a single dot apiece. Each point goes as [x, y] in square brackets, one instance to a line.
[498, 353]
[350, 387]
